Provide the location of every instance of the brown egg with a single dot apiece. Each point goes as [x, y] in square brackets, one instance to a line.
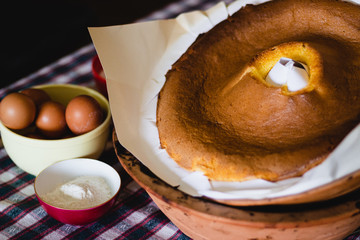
[39, 96]
[51, 119]
[17, 111]
[83, 114]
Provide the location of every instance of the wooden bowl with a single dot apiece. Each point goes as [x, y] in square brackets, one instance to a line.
[201, 218]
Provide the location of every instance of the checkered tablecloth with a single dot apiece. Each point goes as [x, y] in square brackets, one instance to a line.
[134, 217]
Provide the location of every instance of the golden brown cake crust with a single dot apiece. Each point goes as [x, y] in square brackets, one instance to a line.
[215, 115]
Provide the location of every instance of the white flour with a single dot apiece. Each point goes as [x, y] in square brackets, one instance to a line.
[79, 193]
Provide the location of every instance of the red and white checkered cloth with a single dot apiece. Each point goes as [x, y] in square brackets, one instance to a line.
[134, 217]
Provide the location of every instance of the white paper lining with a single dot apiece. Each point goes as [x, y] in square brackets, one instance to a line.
[135, 59]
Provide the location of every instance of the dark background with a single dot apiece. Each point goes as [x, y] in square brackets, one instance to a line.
[37, 33]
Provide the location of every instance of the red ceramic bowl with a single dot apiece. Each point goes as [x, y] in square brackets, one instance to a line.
[99, 76]
[67, 170]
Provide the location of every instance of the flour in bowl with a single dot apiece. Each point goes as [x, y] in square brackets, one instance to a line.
[80, 193]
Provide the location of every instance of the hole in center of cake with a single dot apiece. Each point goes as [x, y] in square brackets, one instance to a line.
[294, 67]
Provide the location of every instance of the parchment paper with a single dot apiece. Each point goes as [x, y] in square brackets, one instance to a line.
[135, 59]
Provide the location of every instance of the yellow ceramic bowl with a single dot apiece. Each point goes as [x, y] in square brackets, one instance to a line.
[33, 155]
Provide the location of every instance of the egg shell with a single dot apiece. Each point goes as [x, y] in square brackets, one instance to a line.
[17, 111]
[51, 119]
[83, 114]
[37, 95]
